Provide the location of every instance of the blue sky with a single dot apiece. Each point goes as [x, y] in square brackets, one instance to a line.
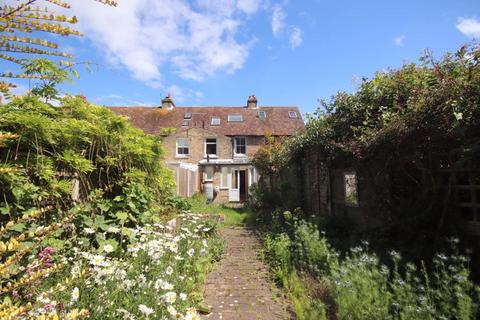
[208, 52]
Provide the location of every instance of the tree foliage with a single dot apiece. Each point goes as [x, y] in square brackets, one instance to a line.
[404, 132]
[24, 30]
[416, 106]
[48, 148]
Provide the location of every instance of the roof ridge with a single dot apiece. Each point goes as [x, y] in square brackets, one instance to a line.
[176, 107]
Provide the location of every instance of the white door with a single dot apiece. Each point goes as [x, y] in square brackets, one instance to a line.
[233, 178]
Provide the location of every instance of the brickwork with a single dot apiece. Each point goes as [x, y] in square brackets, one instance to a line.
[196, 145]
[196, 138]
[239, 287]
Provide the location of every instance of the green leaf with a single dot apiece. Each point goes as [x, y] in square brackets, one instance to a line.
[203, 308]
[127, 232]
[104, 206]
[132, 217]
[122, 215]
[57, 244]
[19, 227]
[111, 242]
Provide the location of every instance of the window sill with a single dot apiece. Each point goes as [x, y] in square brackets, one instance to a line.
[182, 156]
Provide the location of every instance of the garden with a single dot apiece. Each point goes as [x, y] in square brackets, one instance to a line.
[120, 245]
[405, 125]
[324, 283]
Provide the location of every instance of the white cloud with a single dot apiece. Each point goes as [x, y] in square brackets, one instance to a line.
[280, 26]
[148, 37]
[399, 41]
[296, 37]
[248, 6]
[278, 19]
[469, 27]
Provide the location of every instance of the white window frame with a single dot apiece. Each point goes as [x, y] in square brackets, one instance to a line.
[216, 123]
[235, 145]
[177, 145]
[292, 114]
[216, 148]
[262, 115]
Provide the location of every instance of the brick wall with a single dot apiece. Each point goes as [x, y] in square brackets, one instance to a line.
[197, 138]
[196, 145]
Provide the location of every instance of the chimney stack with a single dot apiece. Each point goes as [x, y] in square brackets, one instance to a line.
[252, 102]
[167, 103]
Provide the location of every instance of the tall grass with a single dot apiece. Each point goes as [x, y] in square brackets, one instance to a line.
[358, 286]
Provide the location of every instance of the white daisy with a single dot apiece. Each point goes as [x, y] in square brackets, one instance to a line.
[108, 248]
[145, 310]
[170, 297]
[169, 270]
[75, 294]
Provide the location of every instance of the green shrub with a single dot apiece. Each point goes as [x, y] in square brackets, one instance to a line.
[53, 146]
[361, 287]
[304, 305]
[358, 286]
[178, 202]
[278, 252]
[444, 293]
[312, 251]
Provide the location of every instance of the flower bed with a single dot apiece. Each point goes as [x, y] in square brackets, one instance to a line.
[155, 275]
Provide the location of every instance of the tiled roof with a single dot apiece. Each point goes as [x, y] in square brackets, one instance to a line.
[277, 121]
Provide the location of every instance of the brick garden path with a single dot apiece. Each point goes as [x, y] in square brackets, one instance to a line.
[239, 286]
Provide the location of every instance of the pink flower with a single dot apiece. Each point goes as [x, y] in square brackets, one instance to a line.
[46, 252]
[46, 256]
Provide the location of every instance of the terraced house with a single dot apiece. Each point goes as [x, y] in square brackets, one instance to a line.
[210, 148]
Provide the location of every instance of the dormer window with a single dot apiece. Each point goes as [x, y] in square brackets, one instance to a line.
[262, 115]
[215, 121]
[235, 117]
[187, 115]
[292, 114]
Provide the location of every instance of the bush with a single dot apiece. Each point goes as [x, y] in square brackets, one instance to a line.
[278, 251]
[360, 287]
[111, 230]
[445, 293]
[312, 251]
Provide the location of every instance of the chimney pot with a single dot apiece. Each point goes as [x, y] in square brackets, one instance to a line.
[167, 103]
[252, 102]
